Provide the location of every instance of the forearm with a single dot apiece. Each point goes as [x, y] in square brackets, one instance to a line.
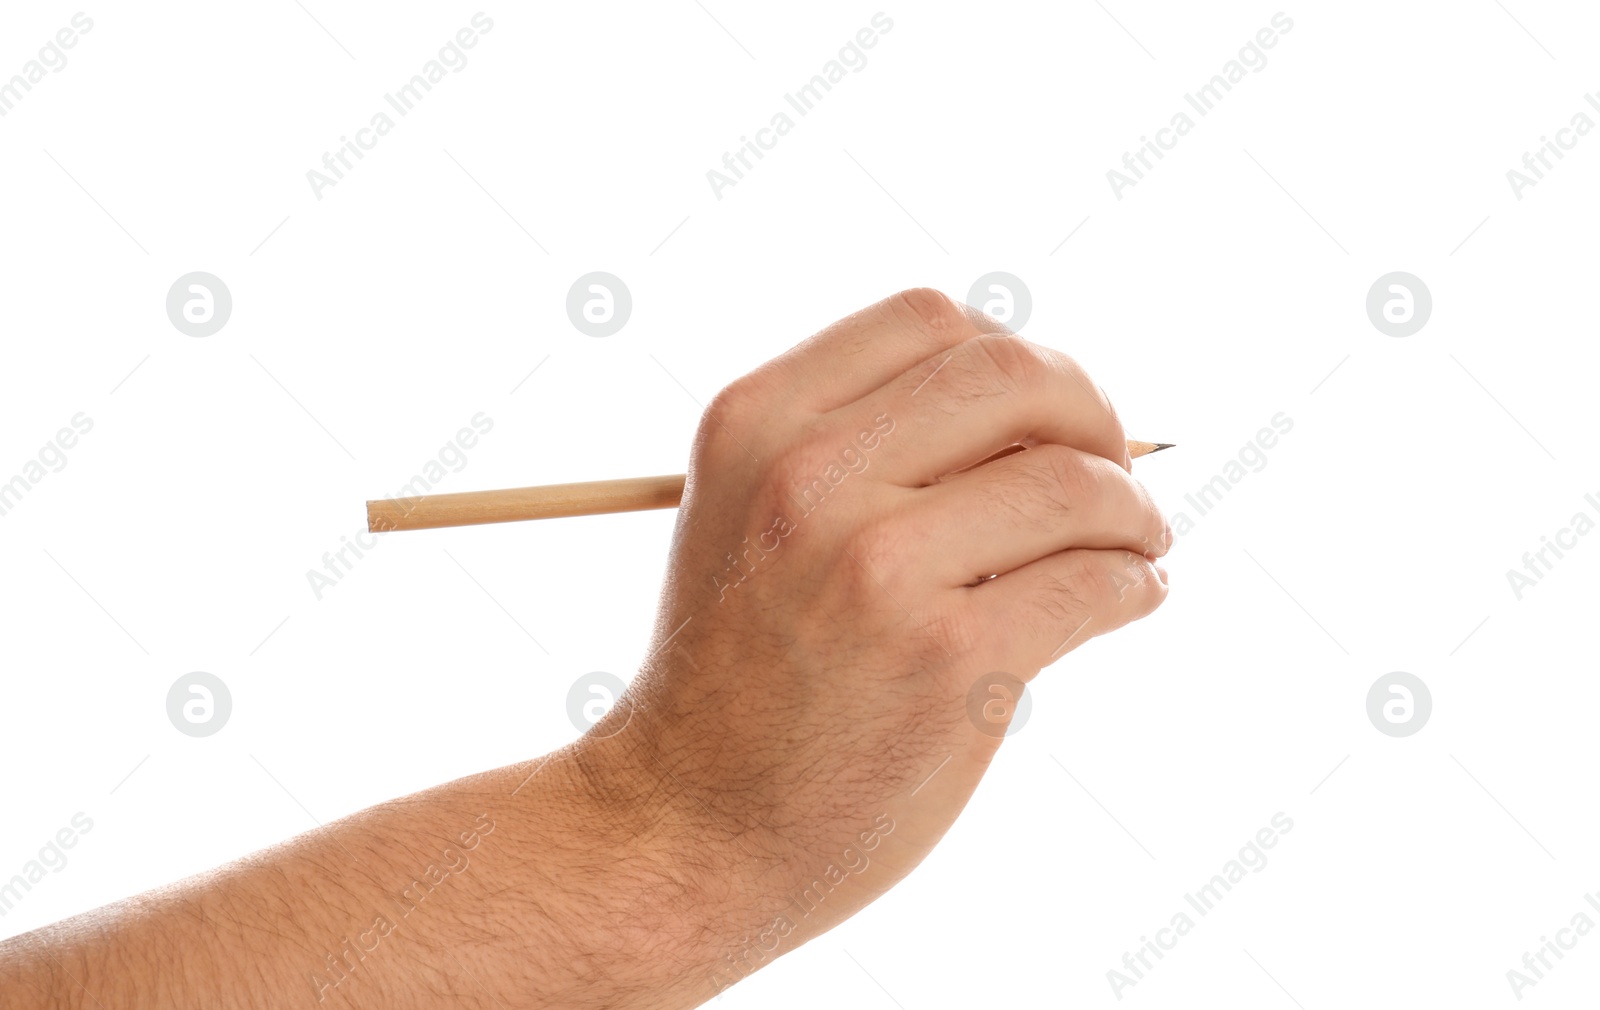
[838, 681]
[499, 890]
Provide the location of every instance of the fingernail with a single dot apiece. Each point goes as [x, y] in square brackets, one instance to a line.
[1167, 536]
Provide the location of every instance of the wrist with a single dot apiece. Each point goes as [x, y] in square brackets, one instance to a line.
[644, 873]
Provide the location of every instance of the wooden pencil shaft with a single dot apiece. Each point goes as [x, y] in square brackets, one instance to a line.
[549, 501]
[554, 501]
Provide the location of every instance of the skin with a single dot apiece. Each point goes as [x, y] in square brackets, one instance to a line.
[798, 739]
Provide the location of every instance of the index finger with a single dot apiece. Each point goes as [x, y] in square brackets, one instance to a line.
[982, 396]
[859, 353]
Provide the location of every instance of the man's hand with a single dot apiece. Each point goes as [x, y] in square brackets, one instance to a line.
[833, 667]
[850, 609]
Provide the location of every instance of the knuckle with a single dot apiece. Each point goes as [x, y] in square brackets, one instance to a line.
[952, 635]
[788, 476]
[1111, 409]
[1074, 370]
[1149, 515]
[1084, 588]
[871, 551]
[1070, 476]
[806, 467]
[877, 560]
[811, 467]
[1103, 591]
[1068, 366]
[1061, 600]
[929, 308]
[1091, 583]
[1044, 485]
[1058, 608]
[733, 404]
[1017, 364]
[1134, 581]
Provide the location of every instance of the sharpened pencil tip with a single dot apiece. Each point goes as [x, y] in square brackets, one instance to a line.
[1164, 445]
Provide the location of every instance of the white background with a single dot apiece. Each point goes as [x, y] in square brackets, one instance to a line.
[1226, 287]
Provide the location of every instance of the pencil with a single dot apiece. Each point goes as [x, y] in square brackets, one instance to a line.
[555, 501]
